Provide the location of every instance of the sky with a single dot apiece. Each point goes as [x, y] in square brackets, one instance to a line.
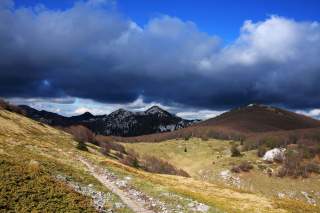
[194, 59]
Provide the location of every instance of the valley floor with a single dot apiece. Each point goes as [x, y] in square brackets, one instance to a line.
[211, 161]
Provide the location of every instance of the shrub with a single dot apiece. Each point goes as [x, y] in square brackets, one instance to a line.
[244, 166]
[12, 108]
[292, 165]
[82, 146]
[80, 133]
[107, 146]
[204, 138]
[293, 138]
[119, 155]
[307, 152]
[249, 145]
[236, 169]
[273, 142]
[131, 158]
[130, 161]
[153, 164]
[186, 138]
[313, 167]
[261, 151]
[235, 152]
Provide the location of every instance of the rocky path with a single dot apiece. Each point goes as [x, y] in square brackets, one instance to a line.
[136, 205]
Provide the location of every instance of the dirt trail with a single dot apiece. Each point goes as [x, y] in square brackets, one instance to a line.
[99, 174]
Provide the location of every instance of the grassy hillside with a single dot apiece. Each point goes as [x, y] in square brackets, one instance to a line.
[32, 157]
[41, 171]
[209, 161]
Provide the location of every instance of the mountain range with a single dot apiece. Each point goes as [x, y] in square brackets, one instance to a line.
[118, 123]
[242, 122]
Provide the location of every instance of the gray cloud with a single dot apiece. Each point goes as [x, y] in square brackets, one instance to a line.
[91, 51]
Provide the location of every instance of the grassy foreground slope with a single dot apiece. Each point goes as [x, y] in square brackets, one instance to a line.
[32, 158]
[40, 168]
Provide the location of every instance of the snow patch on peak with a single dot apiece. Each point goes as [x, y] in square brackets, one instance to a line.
[121, 112]
[166, 128]
[155, 110]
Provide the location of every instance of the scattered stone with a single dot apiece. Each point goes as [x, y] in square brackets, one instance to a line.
[191, 205]
[118, 205]
[309, 198]
[230, 179]
[202, 207]
[281, 195]
[99, 198]
[274, 154]
[121, 183]
[128, 178]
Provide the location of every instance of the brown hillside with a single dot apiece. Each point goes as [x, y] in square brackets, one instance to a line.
[260, 118]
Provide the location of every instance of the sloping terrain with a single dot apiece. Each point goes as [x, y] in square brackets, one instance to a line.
[211, 161]
[46, 172]
[119, 123]
[260, 118]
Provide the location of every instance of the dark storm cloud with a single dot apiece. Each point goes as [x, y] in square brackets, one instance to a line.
[91, 51]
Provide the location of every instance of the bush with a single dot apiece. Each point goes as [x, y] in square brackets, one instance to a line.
[130, 161]
[244, 166]
[153, 164]
[293, 139]
[186, 138]
[273, 142]
[235, 169]
[261, 151]
[292, 165]
[249, 145]
[235, 152]
[82, 146]
[80, 133]
[107, 146]
[313, 167]
[307, 152]
[12, 108]
[204, 138]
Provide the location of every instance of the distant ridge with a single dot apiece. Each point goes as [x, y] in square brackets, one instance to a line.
[118, 123]
[261, 118]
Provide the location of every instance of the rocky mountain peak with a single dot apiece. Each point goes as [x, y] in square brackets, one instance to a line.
[121, 112]
[87, 114]
[155, 110]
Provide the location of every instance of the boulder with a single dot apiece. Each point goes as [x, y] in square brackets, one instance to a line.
[276, 154]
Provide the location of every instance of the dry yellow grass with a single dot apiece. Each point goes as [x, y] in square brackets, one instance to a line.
[205, 160]
[38, 144]
[224, 198]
